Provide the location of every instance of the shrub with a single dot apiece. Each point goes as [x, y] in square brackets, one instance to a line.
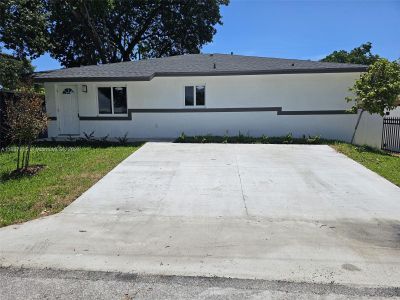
[264, 139]
[181, 138]
[104, 139]
[288, 139]
[313, 139]
[88, 137]
[123, 140]
[25, 119]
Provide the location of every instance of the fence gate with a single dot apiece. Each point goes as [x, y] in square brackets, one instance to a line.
[391, 134]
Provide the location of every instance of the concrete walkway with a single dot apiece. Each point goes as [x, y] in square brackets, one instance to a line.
[272, 212]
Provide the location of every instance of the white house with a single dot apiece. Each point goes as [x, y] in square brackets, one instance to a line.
[202, 94]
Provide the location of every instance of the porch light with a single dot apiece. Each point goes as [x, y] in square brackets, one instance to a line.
[84, 88]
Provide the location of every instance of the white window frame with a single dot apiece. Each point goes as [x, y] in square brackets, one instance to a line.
[112, 100]
[194, 92]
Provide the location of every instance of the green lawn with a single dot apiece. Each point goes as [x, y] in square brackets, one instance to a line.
[68, 173]
[385, 164]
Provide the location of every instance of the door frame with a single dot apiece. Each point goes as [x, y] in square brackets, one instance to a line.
[59, 88]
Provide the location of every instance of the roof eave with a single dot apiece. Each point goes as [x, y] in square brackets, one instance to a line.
[90, 79]
[193, 74]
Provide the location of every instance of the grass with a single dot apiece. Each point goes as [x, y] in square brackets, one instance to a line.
[68, 172]
[385, 164]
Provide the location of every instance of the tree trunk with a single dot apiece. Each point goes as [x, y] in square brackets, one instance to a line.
[355, 128]
[19, 154]
[23, 157]
[28, 156]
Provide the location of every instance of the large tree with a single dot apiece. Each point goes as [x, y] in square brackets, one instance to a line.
[85, 32]
[15, 73]
[359, 55]
[23, 27]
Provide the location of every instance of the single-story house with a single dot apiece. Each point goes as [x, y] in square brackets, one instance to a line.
[200, 94]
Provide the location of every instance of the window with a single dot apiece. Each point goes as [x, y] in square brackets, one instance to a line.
[112, 100]
[105, 101]
[189, 96]
[119, 96]
[200, 95]
[195, 95]
[67, 91]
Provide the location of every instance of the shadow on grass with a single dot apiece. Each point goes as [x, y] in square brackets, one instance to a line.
[369, 149]
[21, 173]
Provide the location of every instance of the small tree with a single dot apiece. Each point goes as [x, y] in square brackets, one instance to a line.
[377, 90]
[25, 119]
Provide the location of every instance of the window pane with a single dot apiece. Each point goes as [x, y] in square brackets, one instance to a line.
[119, 94]
[104, 100]
[189, 96]
[200, 95]
[68, 91]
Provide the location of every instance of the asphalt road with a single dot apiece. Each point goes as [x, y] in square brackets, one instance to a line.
[57, 284]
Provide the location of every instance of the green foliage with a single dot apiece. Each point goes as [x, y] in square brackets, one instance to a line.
[288, 139]
[313, 139]
[246, 139]
[360, 55]
[15, 74]
[88, 137]
[123, 140]
[87, 32]
[264, 139]
[182, 136]
[377, 89]
[25, 120]
[23, 27]
[104, 139]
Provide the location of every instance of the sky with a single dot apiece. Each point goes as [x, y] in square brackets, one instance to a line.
[302, 29]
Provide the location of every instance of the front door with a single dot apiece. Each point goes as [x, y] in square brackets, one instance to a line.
[68, 110]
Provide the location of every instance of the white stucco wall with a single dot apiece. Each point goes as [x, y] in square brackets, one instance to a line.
[395, 112]
[369, 131]
[292, 92]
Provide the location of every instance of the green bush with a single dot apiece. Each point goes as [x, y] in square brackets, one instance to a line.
[247, 139]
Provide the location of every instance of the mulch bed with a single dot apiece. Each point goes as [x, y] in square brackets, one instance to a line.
[25, 172]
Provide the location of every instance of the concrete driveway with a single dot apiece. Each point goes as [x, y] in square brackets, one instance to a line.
[274, 212]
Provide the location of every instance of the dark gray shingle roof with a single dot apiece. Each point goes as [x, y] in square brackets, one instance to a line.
[195, 65]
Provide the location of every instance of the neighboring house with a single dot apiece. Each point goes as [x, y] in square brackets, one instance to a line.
[201, 94]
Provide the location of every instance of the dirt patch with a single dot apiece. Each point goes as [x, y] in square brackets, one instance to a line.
[25, 172]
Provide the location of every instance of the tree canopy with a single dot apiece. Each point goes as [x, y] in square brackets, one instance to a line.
[86, 32]
[15, 73]
[360, 55]
[378, 89]
[23, 25]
